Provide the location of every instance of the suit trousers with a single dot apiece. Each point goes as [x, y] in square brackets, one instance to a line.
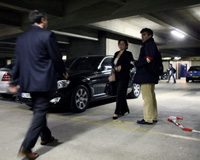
[121, 104]
[38, 126]
[150, 103]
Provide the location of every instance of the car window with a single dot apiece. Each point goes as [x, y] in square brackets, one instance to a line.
[86, 63]
[197, 68]
[10, 67]
[107, 64]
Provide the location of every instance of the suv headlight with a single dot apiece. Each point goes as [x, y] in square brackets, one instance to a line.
[63, 83]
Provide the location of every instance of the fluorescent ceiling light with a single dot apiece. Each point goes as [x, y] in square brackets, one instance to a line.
[62, 42]
[177, 58]
[64, 57]
[177, 34]
[166, 58]
[75, 35]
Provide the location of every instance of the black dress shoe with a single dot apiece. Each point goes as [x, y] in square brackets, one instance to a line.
[44, 142]
[143, 122]
[155, 121]
[123, 113]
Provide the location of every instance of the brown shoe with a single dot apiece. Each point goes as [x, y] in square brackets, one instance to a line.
[28, 154]
[44, 142]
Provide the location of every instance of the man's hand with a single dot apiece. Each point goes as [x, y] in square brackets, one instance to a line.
[65, 75]
[13, 89]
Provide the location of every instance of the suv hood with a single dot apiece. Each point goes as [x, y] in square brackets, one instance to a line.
[81, 73]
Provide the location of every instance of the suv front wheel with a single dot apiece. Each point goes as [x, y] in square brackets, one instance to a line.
[135, 93]
[80, 99]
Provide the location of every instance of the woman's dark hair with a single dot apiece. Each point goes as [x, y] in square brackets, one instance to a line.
[36, 15]
[147, 30]
[125, 41]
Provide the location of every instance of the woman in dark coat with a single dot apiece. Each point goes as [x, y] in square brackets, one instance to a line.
[121, 64]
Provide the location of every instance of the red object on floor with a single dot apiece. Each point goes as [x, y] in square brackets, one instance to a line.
[174, 120]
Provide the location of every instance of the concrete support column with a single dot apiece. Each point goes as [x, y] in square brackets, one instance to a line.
[102, 42]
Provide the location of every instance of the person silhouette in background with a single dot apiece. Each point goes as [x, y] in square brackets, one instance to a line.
[171, 73]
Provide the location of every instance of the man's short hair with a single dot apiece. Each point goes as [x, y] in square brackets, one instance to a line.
[147, 30]
[36, 15]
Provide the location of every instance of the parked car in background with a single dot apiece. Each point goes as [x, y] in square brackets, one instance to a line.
[164, 76]
[87, 81]
[5, 79]
[193, 73]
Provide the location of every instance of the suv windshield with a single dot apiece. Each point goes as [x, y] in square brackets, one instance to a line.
[69, 62]
[84, 63]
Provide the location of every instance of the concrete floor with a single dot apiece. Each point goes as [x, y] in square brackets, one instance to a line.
[93, 135]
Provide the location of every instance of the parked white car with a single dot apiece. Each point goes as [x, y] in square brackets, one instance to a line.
[5, 79]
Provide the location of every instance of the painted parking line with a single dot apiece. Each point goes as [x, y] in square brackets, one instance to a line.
[14, 107]
[167, 93]
[91, 114]
[124, 126]
[113, 124]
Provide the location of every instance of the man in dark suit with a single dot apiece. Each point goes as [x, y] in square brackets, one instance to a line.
[38, 59]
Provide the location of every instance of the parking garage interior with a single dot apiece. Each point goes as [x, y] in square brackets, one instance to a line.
[93, 27]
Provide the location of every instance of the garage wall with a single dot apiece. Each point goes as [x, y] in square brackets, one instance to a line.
[165, 65]
[195, 63]
[112, 47]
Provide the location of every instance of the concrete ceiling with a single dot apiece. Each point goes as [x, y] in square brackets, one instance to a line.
[116, 17]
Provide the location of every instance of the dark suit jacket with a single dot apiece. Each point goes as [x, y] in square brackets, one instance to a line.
[124, 61]
[37, 60]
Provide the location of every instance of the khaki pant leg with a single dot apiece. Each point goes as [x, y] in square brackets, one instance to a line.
[148, 106]
[155, 112]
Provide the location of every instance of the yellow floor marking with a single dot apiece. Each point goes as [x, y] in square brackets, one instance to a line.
[167, 93]
[9, 106]
[93, 113]
[113, 124]
[127, 128]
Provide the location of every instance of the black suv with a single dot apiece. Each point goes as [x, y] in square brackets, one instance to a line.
[87, 81]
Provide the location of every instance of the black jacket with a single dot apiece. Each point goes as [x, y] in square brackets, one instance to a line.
[125, 61]
[143, 74]
[38, 59]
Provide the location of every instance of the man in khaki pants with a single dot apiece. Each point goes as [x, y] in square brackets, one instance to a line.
[150, 103]
[146, 77]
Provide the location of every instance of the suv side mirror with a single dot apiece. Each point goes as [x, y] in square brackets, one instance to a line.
[101, 68]
[104, 68]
